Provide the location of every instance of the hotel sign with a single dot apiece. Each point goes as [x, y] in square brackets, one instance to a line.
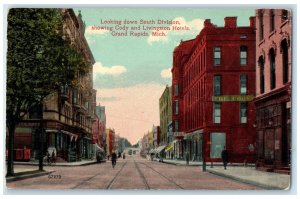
[233, 98]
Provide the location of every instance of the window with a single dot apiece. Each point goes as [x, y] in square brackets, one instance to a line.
[243, 84]
[243, 112]
[176, 126]
[272, 69]
[218, 141]
[272, 20]
[176, 107]
[36, 111]
[217, 56]
[261, 24]
[284, 15]
[217, 85]
[75, 96]
[176, 89]
[285, 61]
[261, 74]
[217, 112]
[243, 55]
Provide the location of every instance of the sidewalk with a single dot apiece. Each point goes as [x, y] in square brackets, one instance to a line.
[247, 174]
[79, 163]
[23, 173]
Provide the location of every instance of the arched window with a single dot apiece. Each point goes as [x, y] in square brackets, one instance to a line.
[285, 61]
[272, 69]
[261, 63]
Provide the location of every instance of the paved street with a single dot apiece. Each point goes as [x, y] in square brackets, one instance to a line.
[131, 173]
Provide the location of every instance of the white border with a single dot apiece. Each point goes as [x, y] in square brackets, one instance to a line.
[159, 3]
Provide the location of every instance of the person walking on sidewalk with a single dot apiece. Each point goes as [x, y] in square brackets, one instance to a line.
[187, 157]
[225, 157]
[113, 159]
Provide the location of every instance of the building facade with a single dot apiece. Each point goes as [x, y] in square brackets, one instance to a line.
[110, 141]
[273, 88]
[213, 88]
[99, 127]
[165, 113]
[67, 115]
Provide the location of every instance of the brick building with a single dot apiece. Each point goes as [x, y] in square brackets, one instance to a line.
[213, 87]
[273, 88]
[110, 141]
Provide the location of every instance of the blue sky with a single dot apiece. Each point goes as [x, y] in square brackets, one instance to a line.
[131, 73]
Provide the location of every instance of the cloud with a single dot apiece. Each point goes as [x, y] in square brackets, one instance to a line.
[166, 73]
[193, 27]
[135, 111]
[116, 70]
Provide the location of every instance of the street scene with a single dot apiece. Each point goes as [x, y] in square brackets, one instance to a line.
[133, 172]
[149, 99]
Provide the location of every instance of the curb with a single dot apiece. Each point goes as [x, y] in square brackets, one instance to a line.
[57, 164]
[264, 186]
[22, 177]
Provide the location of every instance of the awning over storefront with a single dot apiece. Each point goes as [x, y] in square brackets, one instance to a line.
[151, 151]
[159, 149]
[169, 147]
[72, 136]
[192, 134]
[98, 148]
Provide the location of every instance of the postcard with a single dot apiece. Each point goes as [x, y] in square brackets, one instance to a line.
[149, 98]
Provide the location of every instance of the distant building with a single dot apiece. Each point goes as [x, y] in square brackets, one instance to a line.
[110, 141]
[273, 88]
[156, 136]
[213, 87]
[165, 113]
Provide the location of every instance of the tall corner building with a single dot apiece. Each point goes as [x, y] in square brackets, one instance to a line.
[213, 87]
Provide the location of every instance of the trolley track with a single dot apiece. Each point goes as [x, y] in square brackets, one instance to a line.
[141, 175]
[165, 177]
[115, 177]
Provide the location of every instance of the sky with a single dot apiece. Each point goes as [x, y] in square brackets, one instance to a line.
[131, 73]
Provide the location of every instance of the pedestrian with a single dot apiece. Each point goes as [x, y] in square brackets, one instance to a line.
[113, 159]
[48, 157]
[187, 157]
[224, 157]
[108, 157]
[123, 155]
[53, 156]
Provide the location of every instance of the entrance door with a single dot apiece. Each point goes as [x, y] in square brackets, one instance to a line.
[269, 146]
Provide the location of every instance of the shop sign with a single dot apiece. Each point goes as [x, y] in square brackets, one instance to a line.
[233, 98]
[178, 134]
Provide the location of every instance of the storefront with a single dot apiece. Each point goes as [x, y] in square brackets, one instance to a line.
[193, 144]
[273, 124]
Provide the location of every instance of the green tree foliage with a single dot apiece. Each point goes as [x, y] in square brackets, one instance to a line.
[39, 61]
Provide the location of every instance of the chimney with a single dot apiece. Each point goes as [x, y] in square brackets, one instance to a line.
[207, 23]
[230, 22]
[252, 22]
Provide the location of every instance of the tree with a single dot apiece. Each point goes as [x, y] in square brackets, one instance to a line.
[39, 61]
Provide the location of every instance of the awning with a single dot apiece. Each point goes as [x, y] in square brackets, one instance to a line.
[169, 147]
[160, 148]
[98, 148]
[70, 134]
[151, 151]
[194, 133]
